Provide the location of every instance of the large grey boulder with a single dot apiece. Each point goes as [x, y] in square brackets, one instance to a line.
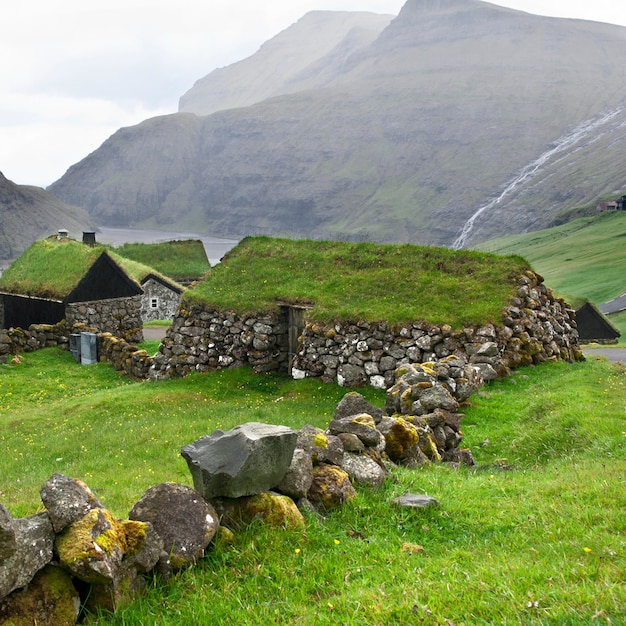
[183, 520]
[244, 461]
[67, 500]
[30, 549]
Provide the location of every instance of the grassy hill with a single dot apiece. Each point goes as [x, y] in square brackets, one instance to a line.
[338, 280]
[584, 259]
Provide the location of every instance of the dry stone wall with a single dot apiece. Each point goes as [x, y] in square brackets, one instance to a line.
[118, 316]
[206, 339]
[124, 356]
[535, 327]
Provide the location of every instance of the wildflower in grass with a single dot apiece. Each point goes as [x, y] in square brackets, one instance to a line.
[587, 550]
[337, 542]
[297, 550]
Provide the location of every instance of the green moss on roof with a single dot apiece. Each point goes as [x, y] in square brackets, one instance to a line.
[52, 269]
[374, 282]
[182, 260]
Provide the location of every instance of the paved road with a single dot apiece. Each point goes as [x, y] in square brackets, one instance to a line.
[612, 354]
[154, 333]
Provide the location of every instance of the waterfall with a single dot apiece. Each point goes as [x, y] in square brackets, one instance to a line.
[563, 143]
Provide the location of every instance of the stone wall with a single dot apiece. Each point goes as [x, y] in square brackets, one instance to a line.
[124, 356]
[206, 339]
[118, 316]
[536, 326]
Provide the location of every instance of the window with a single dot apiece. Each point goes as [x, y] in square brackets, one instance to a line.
[154, 303]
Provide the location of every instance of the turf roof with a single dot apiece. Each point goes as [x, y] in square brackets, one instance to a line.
[353, 281]
[52, 268]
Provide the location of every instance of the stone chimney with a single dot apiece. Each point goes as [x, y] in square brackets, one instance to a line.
[89, 238]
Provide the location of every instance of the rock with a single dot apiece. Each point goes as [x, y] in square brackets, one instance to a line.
[244, 461]
[363, 470]
[269, 508]
[351, 443]
[354, 403]
[30, 549]
[93, 547]
[361, 425]
[400, 437]
[125, 587]
[487, 372]
[415, 501]
[183, 520]
[67, 500]
[143, 545]
[50, 599]
[438, 397]
[351, 376]
[8, 542]
[299, 476]
[463, 456]
[488, 349]
[332, 453]
[331, 487]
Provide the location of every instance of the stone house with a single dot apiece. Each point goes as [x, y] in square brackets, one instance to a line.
[160, 297]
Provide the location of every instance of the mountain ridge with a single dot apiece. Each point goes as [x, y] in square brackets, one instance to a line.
[404, 141]
[28, 213]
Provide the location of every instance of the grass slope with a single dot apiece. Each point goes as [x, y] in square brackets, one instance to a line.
[534, 534]
[396, 283]
[581, 260]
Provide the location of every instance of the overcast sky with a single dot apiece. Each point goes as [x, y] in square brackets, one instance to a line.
[74, 71]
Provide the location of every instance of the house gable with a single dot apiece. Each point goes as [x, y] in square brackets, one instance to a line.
[593, 325]
[104, 280]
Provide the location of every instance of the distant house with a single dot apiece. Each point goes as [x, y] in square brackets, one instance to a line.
[58, 279]
[160, 298]
[593, 326]
[607, 206]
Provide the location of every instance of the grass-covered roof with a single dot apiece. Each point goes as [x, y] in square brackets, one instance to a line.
[352, 281]
[52, 268]
[183, 260]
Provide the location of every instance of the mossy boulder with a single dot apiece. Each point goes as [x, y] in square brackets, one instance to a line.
[400, 437]
[331, 487]
[93, 547]
[50, 599]
[268, 507]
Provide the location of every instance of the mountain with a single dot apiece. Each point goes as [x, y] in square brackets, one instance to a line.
[460, 121]
[28, 213]
[304, 56]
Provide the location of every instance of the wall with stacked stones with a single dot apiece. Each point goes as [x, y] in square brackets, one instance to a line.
[119, 316]
[206, 339]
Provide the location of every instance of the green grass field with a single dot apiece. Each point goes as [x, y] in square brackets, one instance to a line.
[582, 260]
[535, 533]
